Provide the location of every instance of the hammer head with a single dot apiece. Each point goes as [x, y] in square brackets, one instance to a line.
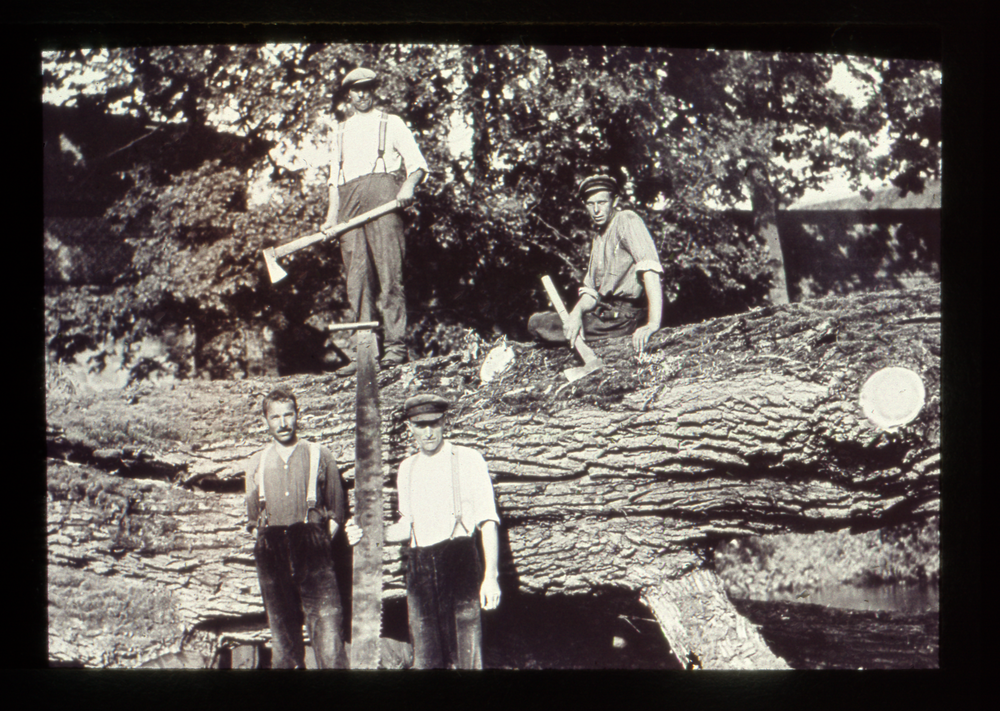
[274, 270]
[585, 369]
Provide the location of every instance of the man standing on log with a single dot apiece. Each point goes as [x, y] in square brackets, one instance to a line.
[295, 501]
[445, 494]
[623, 264]
[373, 160]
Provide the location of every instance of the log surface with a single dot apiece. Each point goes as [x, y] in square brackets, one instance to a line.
[737, 426]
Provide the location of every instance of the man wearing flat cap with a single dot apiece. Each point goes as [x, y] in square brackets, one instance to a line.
[621, 293]
[373, 160]
[445, 494]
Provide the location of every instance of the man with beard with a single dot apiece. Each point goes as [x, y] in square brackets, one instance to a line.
[295, 501]
[373, 160]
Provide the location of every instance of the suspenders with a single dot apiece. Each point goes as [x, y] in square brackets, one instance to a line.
[383, 121]
[310, 491]
[456, 490]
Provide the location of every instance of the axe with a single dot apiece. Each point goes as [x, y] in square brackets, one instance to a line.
[271, 254]
[590, 360]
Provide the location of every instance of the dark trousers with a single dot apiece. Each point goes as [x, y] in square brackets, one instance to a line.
[373, 256]
[442, 595]
[604, 321]
[297, 582]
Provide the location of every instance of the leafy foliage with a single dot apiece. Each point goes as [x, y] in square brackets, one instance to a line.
[680, 128]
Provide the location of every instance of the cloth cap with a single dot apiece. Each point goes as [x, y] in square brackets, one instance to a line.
[425, 408]
[596, 184]
[358, 76]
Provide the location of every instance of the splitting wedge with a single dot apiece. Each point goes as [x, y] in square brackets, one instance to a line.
[271, 254]
[590, 360]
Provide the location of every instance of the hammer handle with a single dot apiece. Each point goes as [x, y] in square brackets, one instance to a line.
[364, 217]
[581, 346]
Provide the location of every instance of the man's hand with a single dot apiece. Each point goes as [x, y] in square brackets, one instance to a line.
[489, 593]
[405, 195]
[327, 227]
[573, 326]
[353, 531]
[641, 337]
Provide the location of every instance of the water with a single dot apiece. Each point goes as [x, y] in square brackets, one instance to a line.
[911, 599]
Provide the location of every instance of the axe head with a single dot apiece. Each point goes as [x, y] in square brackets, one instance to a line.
[274, 270]
[585, 369]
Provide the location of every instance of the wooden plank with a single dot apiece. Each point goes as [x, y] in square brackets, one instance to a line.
[366, 615]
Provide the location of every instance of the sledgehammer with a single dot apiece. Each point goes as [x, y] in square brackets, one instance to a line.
[590, 360]
[271, 254]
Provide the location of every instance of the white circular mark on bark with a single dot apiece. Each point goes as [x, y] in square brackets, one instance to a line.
[892, 397]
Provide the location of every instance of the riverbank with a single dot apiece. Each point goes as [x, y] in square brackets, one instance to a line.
[818, 637]
[896, 568]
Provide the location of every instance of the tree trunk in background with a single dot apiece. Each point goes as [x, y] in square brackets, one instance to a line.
[764, 202]
[737, 426]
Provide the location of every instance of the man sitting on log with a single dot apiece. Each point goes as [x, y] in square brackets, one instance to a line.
[445, 494]
[295, 501]
[623, 264]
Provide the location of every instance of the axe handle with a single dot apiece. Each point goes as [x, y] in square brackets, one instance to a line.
[364, 217]
[581, 346]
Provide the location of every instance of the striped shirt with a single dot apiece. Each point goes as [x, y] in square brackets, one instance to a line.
[618, 257]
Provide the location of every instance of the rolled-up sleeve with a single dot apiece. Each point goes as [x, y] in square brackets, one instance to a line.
[639, 243]
[404, 144]
[484, 506]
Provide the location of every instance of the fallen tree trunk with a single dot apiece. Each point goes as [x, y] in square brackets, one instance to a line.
[742, 425]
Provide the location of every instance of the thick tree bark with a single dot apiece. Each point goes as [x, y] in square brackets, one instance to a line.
[742, 425]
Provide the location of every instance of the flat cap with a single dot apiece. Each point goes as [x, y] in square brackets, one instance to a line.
[596, 184]
[359, 76]
[425, 407]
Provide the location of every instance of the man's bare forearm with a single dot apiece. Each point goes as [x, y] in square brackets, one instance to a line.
[491, 549]
[333, 207]
[654, 296]
[586, 303]
[406, 190]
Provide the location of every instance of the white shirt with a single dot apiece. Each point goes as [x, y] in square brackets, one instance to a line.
[426, 500]
[361, 147]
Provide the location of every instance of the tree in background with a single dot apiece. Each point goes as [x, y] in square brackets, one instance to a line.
[508, 132]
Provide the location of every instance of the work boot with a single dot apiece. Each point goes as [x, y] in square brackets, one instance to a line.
[349, 369]
[394, 355]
